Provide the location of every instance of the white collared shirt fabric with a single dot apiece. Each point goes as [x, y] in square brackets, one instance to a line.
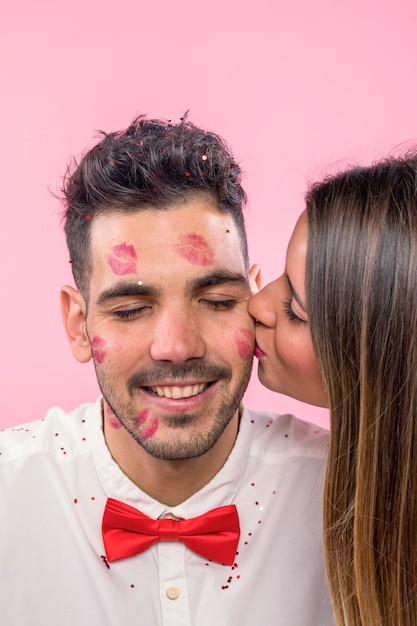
[55, 477]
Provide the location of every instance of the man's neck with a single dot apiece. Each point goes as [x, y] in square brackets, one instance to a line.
[169, 482]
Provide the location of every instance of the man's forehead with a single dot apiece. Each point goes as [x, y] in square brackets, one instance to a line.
[195, 239]
[194, 230]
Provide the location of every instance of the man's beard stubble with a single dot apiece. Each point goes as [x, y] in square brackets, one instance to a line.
[176, 448]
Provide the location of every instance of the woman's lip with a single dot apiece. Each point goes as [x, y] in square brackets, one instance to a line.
[258, 352]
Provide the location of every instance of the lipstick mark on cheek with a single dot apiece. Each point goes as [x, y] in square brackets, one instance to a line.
[122, 259]
[98, 347]
[150, 423]
[151, 429]
[245, 341]
[142, 417]
[110, 417]
[195, 249]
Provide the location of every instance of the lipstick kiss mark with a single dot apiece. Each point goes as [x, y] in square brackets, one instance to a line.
[122, 259]
[111, 419]
[98, 347]
[195, 249]
[245, 340]
[150, 423]
[151, 429]
[142, 417]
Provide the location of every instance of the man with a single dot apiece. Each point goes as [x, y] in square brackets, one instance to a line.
[165, 502]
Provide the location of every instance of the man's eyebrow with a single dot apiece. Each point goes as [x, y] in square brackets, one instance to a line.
[296, 296]
[123, 289]
[218, 277]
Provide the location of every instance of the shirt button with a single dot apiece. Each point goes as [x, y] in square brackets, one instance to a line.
[172, 593]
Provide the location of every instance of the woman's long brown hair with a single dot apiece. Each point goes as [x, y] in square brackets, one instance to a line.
[361, 287]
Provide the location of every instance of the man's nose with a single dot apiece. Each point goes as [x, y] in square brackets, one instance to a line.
[177, 337]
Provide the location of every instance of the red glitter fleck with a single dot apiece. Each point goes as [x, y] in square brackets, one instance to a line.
[104, 559]
[88, 217]
[83, 439]
[111, 162]
[187, 174]
[92, 497]
[252, 484]
[132, 585]
[75, 500]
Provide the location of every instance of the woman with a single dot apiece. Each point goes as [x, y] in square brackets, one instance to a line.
[339, 329]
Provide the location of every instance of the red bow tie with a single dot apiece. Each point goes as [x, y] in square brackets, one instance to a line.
[127, 531]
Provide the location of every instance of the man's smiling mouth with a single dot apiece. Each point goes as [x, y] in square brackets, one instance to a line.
[175, 392]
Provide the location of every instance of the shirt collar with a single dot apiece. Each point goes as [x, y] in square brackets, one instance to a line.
[220, 491]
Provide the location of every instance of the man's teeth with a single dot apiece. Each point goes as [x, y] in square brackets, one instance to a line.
[179, 392]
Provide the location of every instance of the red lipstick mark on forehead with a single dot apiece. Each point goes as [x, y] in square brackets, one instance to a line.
[98, 347]
[195, 249]
[245, 340]
[122, 259]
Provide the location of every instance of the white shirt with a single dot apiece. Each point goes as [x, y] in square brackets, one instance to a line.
[55, 477]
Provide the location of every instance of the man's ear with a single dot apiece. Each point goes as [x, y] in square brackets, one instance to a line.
[73, 311]
[255, 278]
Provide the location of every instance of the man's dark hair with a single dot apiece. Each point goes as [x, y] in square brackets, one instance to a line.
[153, 164]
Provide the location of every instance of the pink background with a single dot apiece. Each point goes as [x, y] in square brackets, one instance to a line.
[292, 86]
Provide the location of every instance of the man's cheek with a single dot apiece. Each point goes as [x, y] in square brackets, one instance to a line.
[245, 342]
[99, 348]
